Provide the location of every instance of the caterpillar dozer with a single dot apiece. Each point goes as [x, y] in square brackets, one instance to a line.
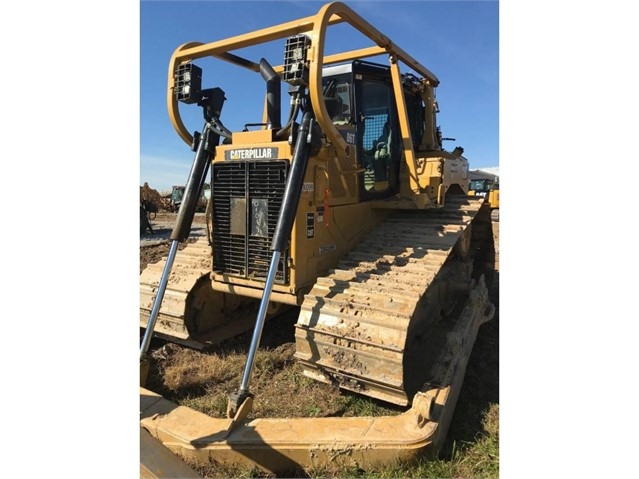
[350, 210]
[485, 185]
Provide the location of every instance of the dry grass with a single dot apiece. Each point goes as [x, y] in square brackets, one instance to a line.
[203, 382]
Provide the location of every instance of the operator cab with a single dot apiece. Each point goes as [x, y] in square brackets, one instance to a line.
[360, 101]
[482, 186]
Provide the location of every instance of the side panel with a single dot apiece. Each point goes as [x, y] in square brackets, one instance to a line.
[456, 173]
[329, 233]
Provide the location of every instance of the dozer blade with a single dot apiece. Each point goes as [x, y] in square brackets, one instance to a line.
[371, 324]
[158, 462]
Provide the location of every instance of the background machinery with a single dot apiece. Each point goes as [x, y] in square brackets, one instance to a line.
[485, 185]
[351, 210]
[175, 198]
[177, 193]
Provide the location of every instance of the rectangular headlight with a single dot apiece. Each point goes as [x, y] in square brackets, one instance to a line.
[295, 56]
[188, 83]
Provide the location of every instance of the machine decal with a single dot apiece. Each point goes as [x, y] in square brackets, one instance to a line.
[251, 154]
[327, 248]
[348, 135]
[308, 186]
[310, 225]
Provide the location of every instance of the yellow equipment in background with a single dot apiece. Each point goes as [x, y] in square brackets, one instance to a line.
[484, 185]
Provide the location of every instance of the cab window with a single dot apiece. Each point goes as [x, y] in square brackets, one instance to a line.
[337, 98]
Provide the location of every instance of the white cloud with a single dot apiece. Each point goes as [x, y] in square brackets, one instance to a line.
[493, 170]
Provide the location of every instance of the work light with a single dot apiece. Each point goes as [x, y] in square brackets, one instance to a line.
[295, 68]
[188, 83]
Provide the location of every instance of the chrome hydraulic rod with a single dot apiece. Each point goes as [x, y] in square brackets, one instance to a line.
[205, 149]
[279, 244]
[259, 325]
[150, 326]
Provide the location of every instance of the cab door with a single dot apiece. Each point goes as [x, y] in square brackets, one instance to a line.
[378, 133]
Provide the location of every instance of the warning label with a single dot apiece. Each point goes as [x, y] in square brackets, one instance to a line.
[310, 225]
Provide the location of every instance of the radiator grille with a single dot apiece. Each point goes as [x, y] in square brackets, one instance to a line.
[247, 198]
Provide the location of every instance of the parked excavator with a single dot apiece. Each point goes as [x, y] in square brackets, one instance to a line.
[350, 210]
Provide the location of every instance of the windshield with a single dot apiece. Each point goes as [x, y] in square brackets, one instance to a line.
[177, 194]
[479, 185]
[337, 95]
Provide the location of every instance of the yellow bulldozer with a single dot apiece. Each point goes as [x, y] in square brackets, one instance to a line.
[485, 185]
[350, 210]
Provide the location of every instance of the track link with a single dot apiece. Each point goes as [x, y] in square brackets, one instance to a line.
[192, 312]
[190, 264]
[379, 309]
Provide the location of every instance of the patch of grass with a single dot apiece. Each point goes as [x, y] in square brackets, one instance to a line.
[328, 471]
[185, 369]
[354, 405]
[313, 411]
[215, 470]
[296, 378]
[475, 459]
[214, 406]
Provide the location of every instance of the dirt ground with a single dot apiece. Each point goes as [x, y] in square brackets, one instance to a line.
[155, 246]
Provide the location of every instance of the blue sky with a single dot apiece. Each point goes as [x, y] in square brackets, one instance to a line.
[458, 41]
